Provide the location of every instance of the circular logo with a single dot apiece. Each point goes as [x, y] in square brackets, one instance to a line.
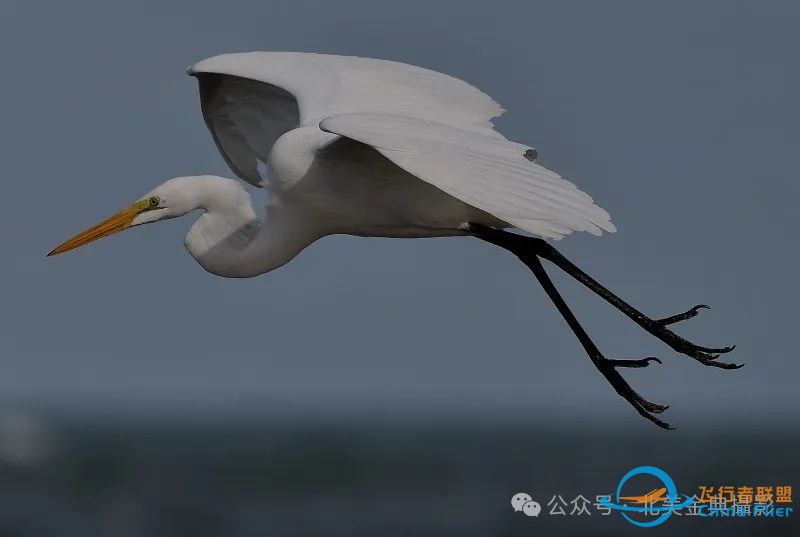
[665, 510]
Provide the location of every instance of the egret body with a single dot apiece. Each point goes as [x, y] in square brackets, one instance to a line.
[368, 147]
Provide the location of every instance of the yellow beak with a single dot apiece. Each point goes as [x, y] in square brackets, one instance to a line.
[119, 222]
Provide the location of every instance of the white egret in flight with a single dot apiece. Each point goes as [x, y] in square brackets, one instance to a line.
[375, 148]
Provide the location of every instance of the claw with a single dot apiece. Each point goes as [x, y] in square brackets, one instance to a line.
[644, 407]
[701, 354]
[659, 329]
[672, 319]
[647, 409]
[710, 350]
[655, 408]
[721, 365]
[643, 362]
[648, 405]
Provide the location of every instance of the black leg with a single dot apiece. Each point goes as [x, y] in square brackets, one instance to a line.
[523, 246]
[530, 249]
[657, 328]
[607, 367]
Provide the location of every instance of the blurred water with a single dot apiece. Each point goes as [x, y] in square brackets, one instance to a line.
[130, 478]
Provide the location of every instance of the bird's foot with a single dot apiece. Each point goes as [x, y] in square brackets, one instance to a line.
[704, 355]
[648, 409]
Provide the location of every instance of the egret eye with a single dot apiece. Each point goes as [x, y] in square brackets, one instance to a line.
[154, 201]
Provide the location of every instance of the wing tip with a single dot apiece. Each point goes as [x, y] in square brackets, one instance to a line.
[208, 65]
[548, 229]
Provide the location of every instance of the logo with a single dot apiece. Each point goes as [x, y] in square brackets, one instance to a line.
[664, 500]
[649, 506]
[522, 501]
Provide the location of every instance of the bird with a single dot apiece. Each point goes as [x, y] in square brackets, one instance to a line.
[377, 148]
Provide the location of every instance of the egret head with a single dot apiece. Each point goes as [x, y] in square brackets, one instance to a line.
[171, 199]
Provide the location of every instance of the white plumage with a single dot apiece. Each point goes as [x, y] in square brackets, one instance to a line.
[353, 146]
[484, 171]
[375, 148]
[327, 85]
[431, 125]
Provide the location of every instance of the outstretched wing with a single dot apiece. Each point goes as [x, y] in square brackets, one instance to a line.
[245, 118]
[432, 125]
[250, 99]
[487, 172]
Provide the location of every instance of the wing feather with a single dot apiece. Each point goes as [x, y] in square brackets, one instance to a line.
[250, 99]
[432, 125]
[245, 118]
[484, 171]
[326, 85]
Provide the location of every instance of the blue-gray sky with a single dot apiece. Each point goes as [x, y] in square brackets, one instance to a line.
[681, 119]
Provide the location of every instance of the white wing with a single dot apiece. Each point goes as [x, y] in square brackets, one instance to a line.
[487, 172]
[250, 99]
[432, 125]
[245, 118]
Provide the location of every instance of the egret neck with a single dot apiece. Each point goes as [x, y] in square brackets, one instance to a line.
[230, 240]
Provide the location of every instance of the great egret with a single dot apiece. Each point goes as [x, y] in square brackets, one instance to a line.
[369, 147]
